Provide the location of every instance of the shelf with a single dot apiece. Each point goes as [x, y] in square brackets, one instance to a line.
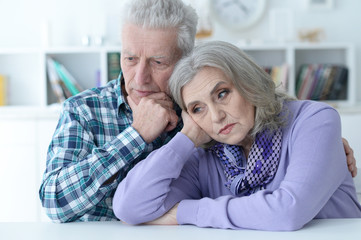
[28, 82]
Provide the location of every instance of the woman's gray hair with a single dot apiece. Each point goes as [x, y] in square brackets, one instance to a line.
[252, 82]
[163, 14]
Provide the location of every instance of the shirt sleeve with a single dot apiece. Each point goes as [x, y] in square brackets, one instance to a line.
[78, 170]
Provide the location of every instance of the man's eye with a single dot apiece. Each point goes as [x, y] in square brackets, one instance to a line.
[159, 64]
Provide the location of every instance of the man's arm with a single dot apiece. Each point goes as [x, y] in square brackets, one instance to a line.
[78, 171]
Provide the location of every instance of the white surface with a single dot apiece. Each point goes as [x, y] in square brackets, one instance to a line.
[328, 229]
[25, 134]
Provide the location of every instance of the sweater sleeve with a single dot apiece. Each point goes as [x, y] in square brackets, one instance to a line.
[315, 170]
[157, 183]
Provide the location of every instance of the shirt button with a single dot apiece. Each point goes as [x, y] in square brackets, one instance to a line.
[136, 150]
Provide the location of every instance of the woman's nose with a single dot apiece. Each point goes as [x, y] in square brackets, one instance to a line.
[217, 114]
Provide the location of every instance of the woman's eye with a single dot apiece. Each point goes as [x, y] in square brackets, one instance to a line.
[196, 110]
[222, 94]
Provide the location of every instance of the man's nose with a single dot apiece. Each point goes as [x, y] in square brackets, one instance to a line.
[142, 75]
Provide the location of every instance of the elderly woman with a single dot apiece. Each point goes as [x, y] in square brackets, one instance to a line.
[267, 161]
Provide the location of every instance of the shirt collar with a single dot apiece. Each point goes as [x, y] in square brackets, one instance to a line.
[121, 103]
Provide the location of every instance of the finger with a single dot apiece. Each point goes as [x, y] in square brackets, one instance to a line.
[172, 122]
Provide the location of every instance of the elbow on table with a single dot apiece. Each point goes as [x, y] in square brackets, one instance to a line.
[127, 213]
[290, 220]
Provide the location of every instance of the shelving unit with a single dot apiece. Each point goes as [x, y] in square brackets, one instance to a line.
[295, 55]
[26, 72]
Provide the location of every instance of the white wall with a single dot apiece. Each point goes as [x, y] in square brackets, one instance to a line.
[24, 22]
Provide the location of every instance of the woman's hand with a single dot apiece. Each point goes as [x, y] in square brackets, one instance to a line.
[351, 161]
[169, 218]
[193, 131]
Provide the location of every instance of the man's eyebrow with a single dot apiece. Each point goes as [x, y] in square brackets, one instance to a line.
[128, 52]
[160, 56]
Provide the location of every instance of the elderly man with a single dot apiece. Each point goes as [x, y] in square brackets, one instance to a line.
[103, 132]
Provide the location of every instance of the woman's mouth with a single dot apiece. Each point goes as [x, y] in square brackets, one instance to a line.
[227, 129]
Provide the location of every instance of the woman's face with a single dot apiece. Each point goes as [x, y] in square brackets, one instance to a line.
[216, 106]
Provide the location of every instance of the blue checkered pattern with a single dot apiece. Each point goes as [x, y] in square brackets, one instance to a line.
[93, 141]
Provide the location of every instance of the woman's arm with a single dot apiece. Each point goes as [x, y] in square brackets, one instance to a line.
[159, 182]
[316, 169]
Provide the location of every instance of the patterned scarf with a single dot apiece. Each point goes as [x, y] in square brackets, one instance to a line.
[247, 177]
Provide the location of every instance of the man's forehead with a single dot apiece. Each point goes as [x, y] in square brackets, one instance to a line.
[151, 42]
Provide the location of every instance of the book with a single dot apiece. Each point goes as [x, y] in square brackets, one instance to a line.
[300, 76]
[62, 82]
[328, 83]
[278, 75]
[339, 89]
[3, 90]
[322, 79]
[316, 80]
[306, 80]
[67, 79]
[113, 65]
[55, 80]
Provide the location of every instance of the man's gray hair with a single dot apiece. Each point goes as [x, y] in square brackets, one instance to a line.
[163, 14]
[251, 81]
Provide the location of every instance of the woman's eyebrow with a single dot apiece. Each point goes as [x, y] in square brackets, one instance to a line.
[216, 87]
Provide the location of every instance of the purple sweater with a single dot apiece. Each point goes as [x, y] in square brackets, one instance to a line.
[312, 181]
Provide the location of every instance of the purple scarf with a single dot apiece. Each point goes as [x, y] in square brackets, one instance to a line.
[245, 177]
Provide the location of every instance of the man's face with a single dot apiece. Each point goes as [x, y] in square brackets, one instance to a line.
[148, 58]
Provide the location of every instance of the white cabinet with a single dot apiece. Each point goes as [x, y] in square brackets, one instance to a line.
[25, 134]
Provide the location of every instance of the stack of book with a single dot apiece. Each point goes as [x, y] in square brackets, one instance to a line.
[322, 82]
[62, 82]
[3, 90]
[278, 75]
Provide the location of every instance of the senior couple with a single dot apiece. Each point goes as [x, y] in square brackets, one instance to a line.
[194, 135]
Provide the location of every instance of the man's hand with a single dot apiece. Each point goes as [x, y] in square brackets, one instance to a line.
[169, 218]
[193, 131]
[351, 161]
[153, 115]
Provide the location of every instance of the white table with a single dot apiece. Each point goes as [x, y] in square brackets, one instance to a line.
[328, 229]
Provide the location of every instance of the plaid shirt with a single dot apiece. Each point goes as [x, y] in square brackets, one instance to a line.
[93, 141]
